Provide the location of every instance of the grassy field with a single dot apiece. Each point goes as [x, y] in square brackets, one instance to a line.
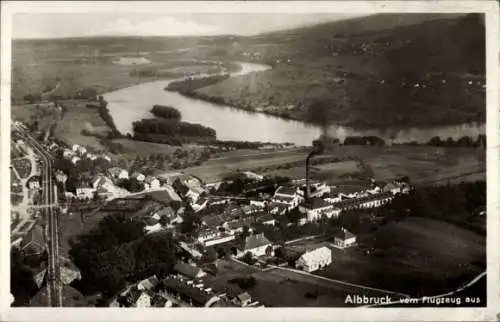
[271, 287]
[422, 164]
[414, 256]
[78, 118]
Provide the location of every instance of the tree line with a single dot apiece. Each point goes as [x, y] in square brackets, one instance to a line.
[190, 84]
[117, 251]
[166, 112]
[165, 129]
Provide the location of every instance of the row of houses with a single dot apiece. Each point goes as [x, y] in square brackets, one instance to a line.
[185, 288]
[77, 153]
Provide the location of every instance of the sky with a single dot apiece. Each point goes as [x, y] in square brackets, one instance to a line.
[126, 24]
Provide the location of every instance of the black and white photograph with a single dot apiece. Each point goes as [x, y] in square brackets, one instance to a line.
[265, 159]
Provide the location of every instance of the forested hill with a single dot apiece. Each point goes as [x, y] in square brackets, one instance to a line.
[406, 43]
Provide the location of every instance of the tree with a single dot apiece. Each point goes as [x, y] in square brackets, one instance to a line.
[164, 221]
[210, 255]
[248, 258]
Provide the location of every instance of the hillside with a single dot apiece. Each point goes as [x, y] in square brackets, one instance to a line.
[425, 72]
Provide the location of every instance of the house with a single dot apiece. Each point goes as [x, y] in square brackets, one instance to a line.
[207, 233]
[266, 219]
[194, 193]
[190, 250]
[69, 272]
[212, 236]
[200, 204]
[118, 173]
[85, 192]
[188, 270]
[171, 192]
[91, 156]
[250, 209]
[253, 176]
[369, 201]
[34, 182]
[188, 188]
[234, 294]
[53, 147]
[213, 221]
[34, 242]
[237, 226]
[67, 154]
[148, 283]
[256, 244]
[315, 259]
[151, 182]
[290, 196]
[278, 208]
[153, 228]
[75, 159]
[344, 239]
[318, 189]
[39, 274]
[138, 298]
[81, 150]
[105, 157]
[191, 295]
[75, 147]
[258, 203]
[61, 176]
[316, 208]
[101, 180]
[138, 176]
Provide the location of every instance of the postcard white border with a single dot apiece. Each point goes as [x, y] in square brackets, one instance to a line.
[489, 8]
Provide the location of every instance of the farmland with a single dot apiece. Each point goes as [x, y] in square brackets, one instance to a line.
[271, 286]
[409, 253]
[422, 164]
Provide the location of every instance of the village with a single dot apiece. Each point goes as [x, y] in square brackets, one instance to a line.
[207, 219]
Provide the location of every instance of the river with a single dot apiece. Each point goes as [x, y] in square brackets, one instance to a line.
[133, 103]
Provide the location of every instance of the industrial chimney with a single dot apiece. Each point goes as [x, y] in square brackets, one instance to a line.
[318, 148]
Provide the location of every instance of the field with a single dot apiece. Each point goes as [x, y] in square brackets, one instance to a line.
[280, 288]
[414, 256]
[423, 164]
[77, 119]
[216, 169]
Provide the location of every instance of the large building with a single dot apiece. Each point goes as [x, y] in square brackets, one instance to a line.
[316, 208]
[257, 245]
[315, 259]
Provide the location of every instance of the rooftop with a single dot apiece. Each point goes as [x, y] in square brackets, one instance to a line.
[200, 297]
[344, 234]
[316, 203]
[188, 270]
[254, 241]
[286, 190]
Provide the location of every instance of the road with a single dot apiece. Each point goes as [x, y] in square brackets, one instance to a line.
[48, 198]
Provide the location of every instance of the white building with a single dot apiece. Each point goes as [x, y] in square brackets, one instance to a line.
[118, 173]
[315, 259]
[256, 244]
[254, 176]
[75, 159]
[345, 239]
[138, 176]
[83, 193]
[316, 209]
[75, 147]
[290, 196]
[151, 182]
